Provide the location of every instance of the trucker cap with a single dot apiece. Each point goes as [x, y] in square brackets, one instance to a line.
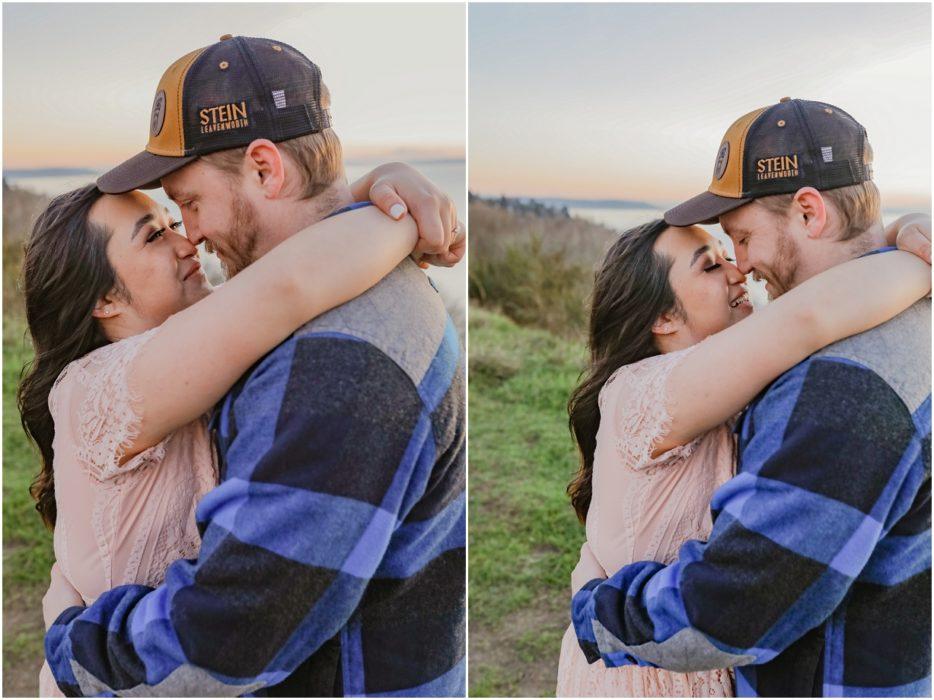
[777, 150]
[224, 96]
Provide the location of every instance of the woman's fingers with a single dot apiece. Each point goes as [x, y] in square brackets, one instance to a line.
[454, 253]
[915, 239]
[385, 197]
[432, 237]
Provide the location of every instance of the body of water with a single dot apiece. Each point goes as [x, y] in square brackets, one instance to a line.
[447, 175]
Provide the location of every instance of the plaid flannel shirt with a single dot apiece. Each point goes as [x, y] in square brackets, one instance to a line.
[333, 551]
[816, 578]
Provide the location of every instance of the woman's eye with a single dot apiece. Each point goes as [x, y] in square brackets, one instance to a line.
[177, 225]
[729, 260]
[155, 234]
[712, 267]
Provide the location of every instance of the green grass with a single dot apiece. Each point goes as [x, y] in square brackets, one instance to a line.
[27, 545]
[524, 537]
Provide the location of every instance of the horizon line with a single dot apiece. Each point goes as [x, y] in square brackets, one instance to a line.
[924, 204]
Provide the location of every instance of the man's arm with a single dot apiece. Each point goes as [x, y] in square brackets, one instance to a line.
[826, 474]
[320, 467]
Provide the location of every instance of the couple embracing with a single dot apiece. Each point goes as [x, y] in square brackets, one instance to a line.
[756, 486]
[256, 488]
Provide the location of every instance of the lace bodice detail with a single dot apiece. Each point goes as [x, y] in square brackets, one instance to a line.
[121, 520]
[639, 406]
[645, 508]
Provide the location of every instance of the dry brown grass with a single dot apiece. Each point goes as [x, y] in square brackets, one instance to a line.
[537, 270]
[20, 210]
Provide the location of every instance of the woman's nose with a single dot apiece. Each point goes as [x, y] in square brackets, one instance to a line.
[733, 274]
[183, 247]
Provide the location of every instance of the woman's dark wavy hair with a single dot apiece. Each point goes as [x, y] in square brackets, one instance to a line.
[630, 292]
[65, 272]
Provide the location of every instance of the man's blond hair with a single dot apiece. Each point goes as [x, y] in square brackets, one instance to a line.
[318, 157]
[859, 207]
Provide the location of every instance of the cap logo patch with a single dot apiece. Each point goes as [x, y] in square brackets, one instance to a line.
[827, 153]
[777, 167]
[723, 157]
[157, 119]
[223, 117]
[278, 97]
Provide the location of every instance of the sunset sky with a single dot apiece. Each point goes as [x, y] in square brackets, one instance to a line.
[631, 101]
[79, 79]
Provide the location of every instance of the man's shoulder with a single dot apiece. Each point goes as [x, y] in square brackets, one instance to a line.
[402, 317]
[884, 372]
[898, 352]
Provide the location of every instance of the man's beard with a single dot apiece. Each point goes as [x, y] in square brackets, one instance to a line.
[784, 268]
[240, 248]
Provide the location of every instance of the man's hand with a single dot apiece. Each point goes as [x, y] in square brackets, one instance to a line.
[397, 189]
[587, 569]
[911, 232]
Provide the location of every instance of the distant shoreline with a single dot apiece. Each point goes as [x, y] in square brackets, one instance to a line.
[47, 172]
[23, 173]
[579, 203]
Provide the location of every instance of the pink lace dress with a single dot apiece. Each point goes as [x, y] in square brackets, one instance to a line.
[645, 509]
[117, 523]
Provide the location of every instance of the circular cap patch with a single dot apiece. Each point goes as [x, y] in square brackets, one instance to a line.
[723, 157]
[158, 114]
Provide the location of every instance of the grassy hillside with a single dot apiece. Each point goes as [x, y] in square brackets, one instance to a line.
[27, 545]
[524, 537]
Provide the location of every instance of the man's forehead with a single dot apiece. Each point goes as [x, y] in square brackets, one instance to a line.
[174, 191]
[181, 183]
[732, 226]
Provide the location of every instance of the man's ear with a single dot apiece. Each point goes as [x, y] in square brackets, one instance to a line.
[666, 324]
[265, 167]
[107, 306]
[811, 211]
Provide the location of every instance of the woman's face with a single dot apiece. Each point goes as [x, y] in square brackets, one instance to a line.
[708, 285]
[153, 259]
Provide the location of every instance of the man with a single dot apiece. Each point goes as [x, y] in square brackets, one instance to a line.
[816, 578]
[333, 550]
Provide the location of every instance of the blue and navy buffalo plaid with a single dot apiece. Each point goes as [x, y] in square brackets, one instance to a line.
[333, 551]
[816, 579]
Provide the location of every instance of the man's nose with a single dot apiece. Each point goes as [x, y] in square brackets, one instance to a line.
[742, 262]
[191, 230]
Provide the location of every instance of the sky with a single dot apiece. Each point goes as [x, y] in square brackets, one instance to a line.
[79, 79]
[631, 101]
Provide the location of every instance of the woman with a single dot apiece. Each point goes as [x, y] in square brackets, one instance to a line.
[133, 347]
[671, 365]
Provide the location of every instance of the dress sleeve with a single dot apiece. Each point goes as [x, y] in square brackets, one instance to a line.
[104, 409]
[60, 596]
[637, 399]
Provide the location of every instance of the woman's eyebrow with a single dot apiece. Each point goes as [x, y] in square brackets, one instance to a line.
[697, 253]
[143, 220]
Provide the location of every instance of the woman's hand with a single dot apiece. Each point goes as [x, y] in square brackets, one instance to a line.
[911, 232]
[397, 188]
[587, 569]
